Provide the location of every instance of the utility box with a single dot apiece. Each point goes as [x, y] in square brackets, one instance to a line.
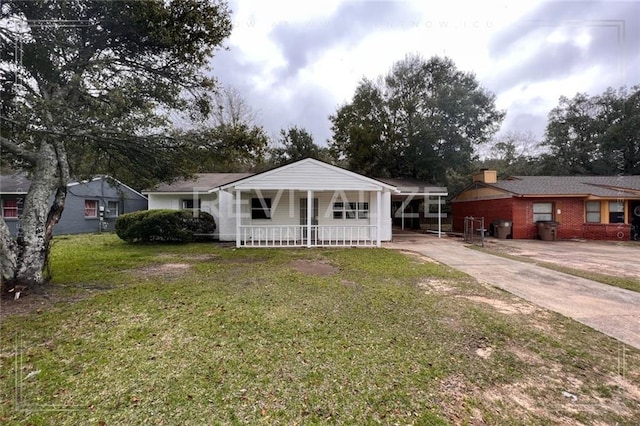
[548, 230]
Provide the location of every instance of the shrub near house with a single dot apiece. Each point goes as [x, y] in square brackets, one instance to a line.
[173, 226]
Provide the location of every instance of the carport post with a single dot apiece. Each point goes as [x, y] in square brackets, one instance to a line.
[439, 217]
[309, 216]
[378, 217]
[238, 206]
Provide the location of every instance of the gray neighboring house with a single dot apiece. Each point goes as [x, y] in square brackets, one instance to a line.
[91, 206]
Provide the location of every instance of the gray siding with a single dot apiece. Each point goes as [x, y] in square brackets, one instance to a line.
[102, 191]
[73, 220]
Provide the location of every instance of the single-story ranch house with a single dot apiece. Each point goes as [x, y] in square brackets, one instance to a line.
[305, 203]
[90, 206]
[585, 207]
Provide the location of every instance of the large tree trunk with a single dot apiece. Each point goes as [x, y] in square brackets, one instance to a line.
[24, 260]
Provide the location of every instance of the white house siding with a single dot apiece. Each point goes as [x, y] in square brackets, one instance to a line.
[225, 218]
[308, 175]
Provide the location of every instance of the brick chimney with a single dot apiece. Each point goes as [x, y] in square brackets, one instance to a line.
[486, 176]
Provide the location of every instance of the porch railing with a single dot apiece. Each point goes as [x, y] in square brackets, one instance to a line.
[296, 235]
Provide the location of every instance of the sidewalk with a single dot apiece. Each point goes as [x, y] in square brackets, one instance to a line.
[610, 310]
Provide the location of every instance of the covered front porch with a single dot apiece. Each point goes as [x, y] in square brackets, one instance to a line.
[294, 218]
[307, 204]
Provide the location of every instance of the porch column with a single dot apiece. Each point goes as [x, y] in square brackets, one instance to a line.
[378, 217]
[439, 217]
[309, 216]
[238, 213]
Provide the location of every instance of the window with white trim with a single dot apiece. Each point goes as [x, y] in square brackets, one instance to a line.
[542, 212]
[592, 209]
[189, 204]
[261, 208]
[10, 208]
[350, 210]
[113, 208]
[616, 212]
[90, 208]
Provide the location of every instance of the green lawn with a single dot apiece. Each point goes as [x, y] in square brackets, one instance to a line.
[201, 334]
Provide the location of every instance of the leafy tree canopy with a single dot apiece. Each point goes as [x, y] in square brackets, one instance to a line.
[595, 135]
[87, 86]
[295, 144]
[512, 154]
[422, 120]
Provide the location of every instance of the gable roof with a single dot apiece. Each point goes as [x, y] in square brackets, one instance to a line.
[19, 183]
[309, 174]
[570, 186]
[201, 182]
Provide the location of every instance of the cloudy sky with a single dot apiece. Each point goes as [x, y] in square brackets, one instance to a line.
[296, 62]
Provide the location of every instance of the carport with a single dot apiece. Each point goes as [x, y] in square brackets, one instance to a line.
[413, 198]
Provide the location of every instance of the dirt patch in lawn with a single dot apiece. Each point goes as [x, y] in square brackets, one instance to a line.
[40, 300]
[190, 257]
[163, 270]
[505, 307]
[313, 268]
[435, 285]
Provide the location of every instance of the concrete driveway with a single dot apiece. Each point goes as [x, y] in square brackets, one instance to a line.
[610, 310]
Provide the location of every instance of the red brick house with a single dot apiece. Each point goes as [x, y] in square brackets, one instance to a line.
[585, 207]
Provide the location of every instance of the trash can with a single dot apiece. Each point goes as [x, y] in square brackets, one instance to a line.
[548, 230]
[502, 228]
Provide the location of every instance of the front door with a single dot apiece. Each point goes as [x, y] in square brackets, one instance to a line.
[303, 217]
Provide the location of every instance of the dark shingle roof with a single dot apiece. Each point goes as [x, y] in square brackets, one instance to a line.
[601, 186]
[412, 186]
[16, 183]
[200, 182]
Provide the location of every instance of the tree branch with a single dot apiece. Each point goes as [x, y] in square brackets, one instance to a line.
[15, 149]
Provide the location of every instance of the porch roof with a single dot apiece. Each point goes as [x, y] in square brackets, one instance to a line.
[415, 187]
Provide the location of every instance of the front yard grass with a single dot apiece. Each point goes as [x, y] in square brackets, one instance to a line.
[202, 334]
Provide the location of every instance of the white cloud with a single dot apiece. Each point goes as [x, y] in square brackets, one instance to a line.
[528, 54]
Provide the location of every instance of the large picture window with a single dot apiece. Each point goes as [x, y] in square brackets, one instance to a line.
[542, 212]
[350, 210]
[261, 208]
[592, 209]
[90, 208]
[10, 209]
[616, 212]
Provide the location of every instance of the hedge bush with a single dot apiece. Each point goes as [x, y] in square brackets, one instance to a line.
[172, 226]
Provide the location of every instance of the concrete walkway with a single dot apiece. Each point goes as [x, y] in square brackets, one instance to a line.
[610, 310]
